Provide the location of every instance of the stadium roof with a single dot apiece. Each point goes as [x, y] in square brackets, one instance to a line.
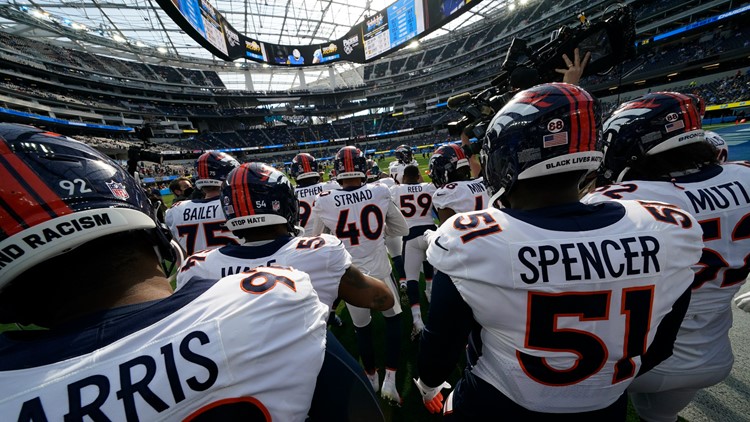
[141, 24]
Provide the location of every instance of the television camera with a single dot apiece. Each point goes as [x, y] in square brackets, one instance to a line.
[610, 41]
[141, 152]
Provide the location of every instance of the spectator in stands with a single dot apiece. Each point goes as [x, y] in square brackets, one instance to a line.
[182, 188]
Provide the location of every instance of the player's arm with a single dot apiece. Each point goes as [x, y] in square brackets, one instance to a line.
[395, 223]
[572, 75]
[444, 214]
[661, 348]
[474, 165]
[315, 225]
[364, 291]
[444, 337]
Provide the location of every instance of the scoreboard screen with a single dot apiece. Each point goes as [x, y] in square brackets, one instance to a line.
[379, 34]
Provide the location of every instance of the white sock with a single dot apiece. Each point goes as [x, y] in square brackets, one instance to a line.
[416, 313]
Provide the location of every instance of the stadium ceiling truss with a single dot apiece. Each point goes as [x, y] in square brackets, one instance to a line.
[140, 30]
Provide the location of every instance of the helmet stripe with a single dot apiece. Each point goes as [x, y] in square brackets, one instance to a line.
[688, 109]
[575, 120]
[245, 188]
[35, 187]
[349, 160]
[237, 203]
[7, 216]
[306, 164]
[588, 124]
[203, 166]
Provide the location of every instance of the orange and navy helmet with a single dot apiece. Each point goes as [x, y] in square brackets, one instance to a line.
[255, 195]
[548, 129]
[57, 194]
[444, 163]
[719, 144]
[648, 125]
[213, 167]
[403, 154]
[350, 163]
[304, 166]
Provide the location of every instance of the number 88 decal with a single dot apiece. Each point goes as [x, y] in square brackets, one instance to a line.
[544, 310]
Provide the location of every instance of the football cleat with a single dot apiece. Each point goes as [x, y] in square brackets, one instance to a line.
[374, 380]
[389, 391]
[416, 329]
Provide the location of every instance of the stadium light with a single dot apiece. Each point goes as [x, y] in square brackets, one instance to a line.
[512, 7]
[162, 50]
[40, 14]
[413, 44]
[118, 38]
[237, 64]
[523, 2]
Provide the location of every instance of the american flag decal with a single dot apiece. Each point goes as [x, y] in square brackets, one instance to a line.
[671, 127]
[555, 139]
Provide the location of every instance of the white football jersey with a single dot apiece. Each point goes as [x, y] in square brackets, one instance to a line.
[324, 258]
[463, 196]
[415, 202]
[307, 196]
[719, 198]
[198, 225]
[361, 218]
[233, 344]
[396, 169]
[386, 181]
[579, 286]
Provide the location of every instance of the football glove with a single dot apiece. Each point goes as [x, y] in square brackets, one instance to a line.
[432, 397]
[743, 301]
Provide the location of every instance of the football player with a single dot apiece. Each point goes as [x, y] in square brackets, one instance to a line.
[572, 301]
[393, 244]
[657, 152]
[84, 263]
[361, 215]
[304, 170]
[375, 175]
[456, 190]
[404, 157]
[262, 211]
[415, 201]
[198, 224]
